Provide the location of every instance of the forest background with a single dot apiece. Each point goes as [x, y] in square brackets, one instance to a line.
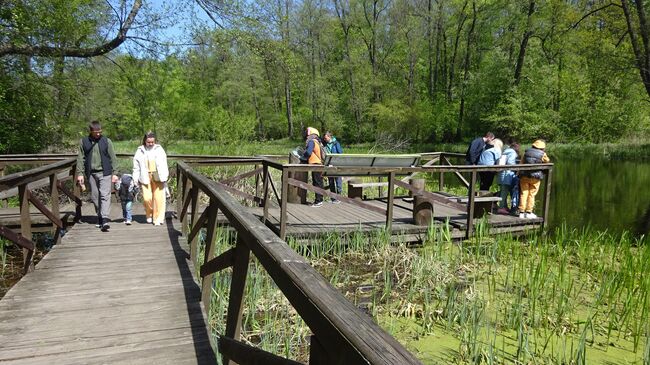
[425, 71]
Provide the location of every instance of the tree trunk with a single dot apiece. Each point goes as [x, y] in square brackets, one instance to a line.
[342, 14]
[461, 111]
[524, 42]
[431, 80]
[641, 52]
[454, 53]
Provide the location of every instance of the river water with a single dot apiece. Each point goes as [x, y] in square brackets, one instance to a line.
[602, 193]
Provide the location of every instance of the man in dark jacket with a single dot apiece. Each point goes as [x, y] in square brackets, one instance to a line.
[333, 146]
[476, 148]
[96, 162]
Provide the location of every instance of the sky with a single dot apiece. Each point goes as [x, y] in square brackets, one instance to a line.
[179, 18]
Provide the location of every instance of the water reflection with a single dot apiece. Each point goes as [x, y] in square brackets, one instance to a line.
[601, 193]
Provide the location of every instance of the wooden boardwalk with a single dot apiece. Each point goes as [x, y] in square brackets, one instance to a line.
[305, 221]
[122, 297]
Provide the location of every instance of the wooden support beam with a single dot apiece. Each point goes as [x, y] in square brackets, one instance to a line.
[16, 238]
[391, 196]
[223, 261]
[186, 203]
[237, 289]
[547, 198]
[470, 206]
[242, 194]
[25, 226]
[283, 204]
[458, 174]
[198, 225]
[244, 175]
[265, 193]
[206, 287]
[242, 353]
[43, 209]
[430, 196]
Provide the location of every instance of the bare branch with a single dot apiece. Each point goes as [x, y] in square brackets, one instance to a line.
[52, 51]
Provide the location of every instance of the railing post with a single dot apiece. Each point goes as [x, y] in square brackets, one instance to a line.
[441, 179]
[4, 202]
[54, 196]
[470, 205]
[237, 288]
[257, 182]
[76, 191]
[547, 197]
[265, 193]
[391, 195]
[206, 284]
[180, 187]
[194, 195]
[25, 226]
[283, 203]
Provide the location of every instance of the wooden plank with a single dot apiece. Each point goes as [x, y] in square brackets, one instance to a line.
[547, 197]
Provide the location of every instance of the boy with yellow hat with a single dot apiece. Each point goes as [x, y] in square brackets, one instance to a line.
[530, 180]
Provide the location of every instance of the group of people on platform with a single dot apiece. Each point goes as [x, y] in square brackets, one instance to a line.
[314, 154]
[522, 186]
[97, 166]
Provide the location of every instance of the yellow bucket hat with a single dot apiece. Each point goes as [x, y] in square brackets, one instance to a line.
[312, 130]
[539, 144]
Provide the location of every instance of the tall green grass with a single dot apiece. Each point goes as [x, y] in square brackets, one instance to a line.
[574, 297]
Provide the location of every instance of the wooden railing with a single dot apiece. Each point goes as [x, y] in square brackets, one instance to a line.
[24, 183]
[391, 174]
[342, 334]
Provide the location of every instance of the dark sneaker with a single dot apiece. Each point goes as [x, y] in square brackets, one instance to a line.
[105, 227]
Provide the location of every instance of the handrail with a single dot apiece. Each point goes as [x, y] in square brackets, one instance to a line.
[24, 177]
[390, 173]
[343, 333]
[24, 181]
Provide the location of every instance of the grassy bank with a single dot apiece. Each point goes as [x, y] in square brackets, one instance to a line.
[578, 298]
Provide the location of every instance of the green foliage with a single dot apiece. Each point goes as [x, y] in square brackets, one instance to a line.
[401, 69]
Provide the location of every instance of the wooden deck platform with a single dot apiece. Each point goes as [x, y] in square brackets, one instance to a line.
[305, 221]
[121, 297]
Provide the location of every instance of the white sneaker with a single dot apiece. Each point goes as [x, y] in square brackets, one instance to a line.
[149, 220]
[522, 215]
[531, 215]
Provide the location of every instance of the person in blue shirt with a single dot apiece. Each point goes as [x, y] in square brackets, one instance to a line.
[333, 146]
[489, 157]
[477, 147]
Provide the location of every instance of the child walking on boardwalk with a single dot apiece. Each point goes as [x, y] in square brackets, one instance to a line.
[126, 190]
[530, 180]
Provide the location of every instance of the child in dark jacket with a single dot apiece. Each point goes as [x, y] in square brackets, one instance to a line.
[333, 146]
[530, 180]
[127, 191]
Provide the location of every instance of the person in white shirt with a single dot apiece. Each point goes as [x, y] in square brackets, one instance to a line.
[151, 172]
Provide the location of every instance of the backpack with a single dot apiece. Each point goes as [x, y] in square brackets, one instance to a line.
[323, 151]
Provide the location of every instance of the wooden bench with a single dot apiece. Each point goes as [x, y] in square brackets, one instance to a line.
[482, 204]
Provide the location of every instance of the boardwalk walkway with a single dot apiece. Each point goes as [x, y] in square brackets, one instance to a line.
[122, 297]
